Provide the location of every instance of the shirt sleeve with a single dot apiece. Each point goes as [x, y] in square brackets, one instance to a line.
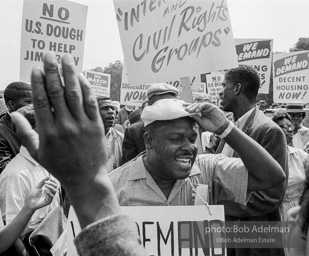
[114, 235]
[17, 190]
[229, 178]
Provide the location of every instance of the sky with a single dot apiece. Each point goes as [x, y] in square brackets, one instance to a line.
[284, 21]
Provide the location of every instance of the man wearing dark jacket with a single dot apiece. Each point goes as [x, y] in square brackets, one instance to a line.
[240, 89]
[18, 97]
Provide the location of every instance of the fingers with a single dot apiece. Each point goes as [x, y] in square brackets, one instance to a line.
[43, 113]
[28, 137]
[197, 119]
[54, 88]
[73, 93]
[50, 196]
[52, 183]
[90, 102]
[41, 183]
[50, 189]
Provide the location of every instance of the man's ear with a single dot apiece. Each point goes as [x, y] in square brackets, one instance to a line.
[11, 106]
[237, 88]
[148, 139]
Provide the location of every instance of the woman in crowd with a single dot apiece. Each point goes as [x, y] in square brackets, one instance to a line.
[298, 164]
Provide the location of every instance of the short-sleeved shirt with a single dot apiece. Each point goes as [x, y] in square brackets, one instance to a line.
[19, 178]
[227, 179]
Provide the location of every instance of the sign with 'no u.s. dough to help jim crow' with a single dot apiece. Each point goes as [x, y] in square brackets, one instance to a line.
[57, 26]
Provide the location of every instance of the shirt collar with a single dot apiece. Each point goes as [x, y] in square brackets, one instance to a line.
[242, 120]
[138, 169]
[25, 153]
[291, 150]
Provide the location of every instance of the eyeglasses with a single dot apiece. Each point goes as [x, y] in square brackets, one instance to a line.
[287, 126]
[296, 114]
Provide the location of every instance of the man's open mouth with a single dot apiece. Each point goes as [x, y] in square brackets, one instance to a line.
[184, 161]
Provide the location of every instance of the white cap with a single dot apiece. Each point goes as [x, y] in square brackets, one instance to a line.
[165, 109]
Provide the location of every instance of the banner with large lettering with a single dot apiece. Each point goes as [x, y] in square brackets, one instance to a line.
[258, 54]
[167, 40]
[100, 82]
[163, 231]
[291, 77]
[57, 26]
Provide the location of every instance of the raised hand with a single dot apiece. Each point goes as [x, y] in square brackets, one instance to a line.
[70, 142]
[210, 117]
[43, 194]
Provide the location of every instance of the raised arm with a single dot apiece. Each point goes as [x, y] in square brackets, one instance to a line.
[36, 199]
[70, 144]
[256, 159]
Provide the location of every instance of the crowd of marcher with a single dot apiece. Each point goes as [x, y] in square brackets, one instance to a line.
[61, 145]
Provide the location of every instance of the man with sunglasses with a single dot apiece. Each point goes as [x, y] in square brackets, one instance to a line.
[114, 138]
[301, 133]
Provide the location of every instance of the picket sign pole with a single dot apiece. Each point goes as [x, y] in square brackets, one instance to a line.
[188, 97]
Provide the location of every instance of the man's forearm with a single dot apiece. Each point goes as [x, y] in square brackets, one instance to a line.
[256, 159]
[94, 201]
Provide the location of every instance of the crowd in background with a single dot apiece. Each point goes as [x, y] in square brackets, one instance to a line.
[254, 159]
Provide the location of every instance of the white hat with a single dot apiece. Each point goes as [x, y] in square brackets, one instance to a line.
[295, 107]
[165, 109]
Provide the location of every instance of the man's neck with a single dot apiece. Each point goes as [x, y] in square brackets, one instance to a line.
[241, 109]
[164, 185]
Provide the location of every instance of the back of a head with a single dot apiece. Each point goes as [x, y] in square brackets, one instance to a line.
[16, 91]
[248, 77]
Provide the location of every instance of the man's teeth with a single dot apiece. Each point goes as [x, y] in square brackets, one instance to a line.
[183, 161]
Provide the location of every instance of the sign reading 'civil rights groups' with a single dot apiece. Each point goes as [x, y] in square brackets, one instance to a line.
[100, 82]
[167, 40]
[57, 26]
[258, 54]
[291, 77]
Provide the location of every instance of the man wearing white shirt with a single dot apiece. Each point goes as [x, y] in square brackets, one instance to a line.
[19, 178]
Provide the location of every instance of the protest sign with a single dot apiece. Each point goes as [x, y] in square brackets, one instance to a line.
[166, 40]
[57, 26]
[100, 82]
[186, 93]
[214, 83]
[163, 231]
[291, 77]
[133, 95]
[201, 90]
[256, 53]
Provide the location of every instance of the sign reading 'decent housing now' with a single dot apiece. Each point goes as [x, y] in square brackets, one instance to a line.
[57, 26]
[167, 40]
[256, 53]
[291, 77]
